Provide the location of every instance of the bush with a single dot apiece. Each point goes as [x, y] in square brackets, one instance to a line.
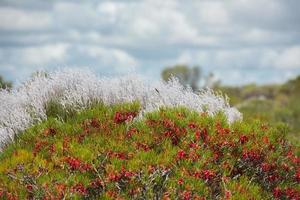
[106, 152]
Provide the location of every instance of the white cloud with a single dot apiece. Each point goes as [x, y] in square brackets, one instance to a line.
[111, 57]
[110, 10]
[289, 58]
[231, 34]
[43, 55]
[212, 13]
[16, 19]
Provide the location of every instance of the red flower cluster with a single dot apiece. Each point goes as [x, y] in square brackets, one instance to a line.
[95, 123]
[186, 195]
[180, 181]
[181, 155]
[243, 139]
[122, 175]
[52, 148]
[173, 132]
[50, 131]
[297, 175]
[38, 146]
[192, 125]
[252, 156]
[203, 135]
[97, 183]
[266, 167]
[79, 188]
[119, 155]
[221, 130]
[208, 175]
[288, 193]
[7, 195]
[121, 117]
[77, 164]
[143, 146]
[131, 132]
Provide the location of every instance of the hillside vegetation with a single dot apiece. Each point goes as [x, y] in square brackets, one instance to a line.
[269, 103]
[106, 152]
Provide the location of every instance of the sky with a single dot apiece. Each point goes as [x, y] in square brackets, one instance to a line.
[240, 41]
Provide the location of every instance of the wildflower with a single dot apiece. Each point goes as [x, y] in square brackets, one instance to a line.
[273, 178]
[194, 145]
[297, 176]
[1, 192]
[180, 181]
[74, 163]
[227, 194]
[285, 167]
[38, 146]
[252, 156]
[266, 167]
[121, 117]
[197, 174]
[50, 131]
[192, 125]
[277, 192]
[265, 140]
[96, 183]
[131, 132]
[52, 148]
[197, 135]
[193, 156]
[95, 123]
[60, 187]
[114, 176]
[221, 130]
[128, 174]
[85, 167]
[208, 175]
[121, 155]
[79, 188]
[29, 187]
[77, 164]
[186, 195]
[143, 146]
[292, 193]
[243, 139]
[181, 155]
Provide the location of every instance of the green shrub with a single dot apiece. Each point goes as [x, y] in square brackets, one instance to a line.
[106, 152]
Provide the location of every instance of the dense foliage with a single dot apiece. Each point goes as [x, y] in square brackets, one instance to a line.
[106, 152]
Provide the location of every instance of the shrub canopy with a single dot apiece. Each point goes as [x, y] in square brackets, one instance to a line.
[105, 152]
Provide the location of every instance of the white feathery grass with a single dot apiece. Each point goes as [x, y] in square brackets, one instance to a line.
[25, 105]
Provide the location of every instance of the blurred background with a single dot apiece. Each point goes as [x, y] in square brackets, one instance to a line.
[248, 49]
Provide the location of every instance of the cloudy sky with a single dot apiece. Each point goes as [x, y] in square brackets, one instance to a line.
[240, 41]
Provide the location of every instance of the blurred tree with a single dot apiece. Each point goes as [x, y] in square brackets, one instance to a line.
[5, 84]
[187, 76]
[212, 81]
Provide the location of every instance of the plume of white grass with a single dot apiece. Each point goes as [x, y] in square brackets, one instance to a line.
[25, 105]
